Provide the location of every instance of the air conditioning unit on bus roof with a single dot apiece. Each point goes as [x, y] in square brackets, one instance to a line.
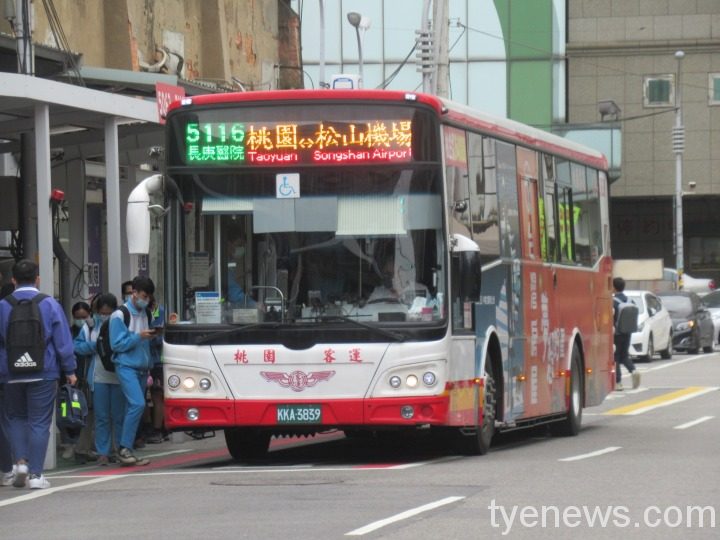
[345, 81]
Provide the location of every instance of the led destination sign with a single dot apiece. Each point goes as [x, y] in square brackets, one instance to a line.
[236, 143]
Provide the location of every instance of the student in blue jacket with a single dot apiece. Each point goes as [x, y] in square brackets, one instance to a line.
[108, 399]
[132, 358]
[30, 396]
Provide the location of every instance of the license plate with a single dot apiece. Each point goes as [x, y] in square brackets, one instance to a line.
[299, 414]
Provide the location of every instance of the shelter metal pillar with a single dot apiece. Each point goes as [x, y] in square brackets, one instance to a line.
[112, 194]
[44, 225]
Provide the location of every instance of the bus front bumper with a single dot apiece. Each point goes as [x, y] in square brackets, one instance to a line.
[182, 414]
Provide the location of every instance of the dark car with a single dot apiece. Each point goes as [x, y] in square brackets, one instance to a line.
[692, 322]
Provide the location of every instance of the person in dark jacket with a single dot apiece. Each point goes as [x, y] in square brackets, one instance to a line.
[30, 397]
[622, 341]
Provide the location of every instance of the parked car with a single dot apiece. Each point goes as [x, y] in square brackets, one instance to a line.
[701, 286]
[655, 327]
[712, 302]
[692, 324]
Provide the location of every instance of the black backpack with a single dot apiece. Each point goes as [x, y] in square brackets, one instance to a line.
[102, 344]
[25, 340]
[72, 408]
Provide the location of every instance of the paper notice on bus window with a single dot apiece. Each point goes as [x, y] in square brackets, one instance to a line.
[467, 315]
[207, 307]
[198, 269]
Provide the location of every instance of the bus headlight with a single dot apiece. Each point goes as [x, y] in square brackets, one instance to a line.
[205, 384]
[192, 414]
[429, 378]
[189, 383]
[411, 381]
[173, 381]
[395, 381]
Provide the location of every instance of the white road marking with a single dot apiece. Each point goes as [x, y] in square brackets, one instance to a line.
[592, 454]
[403, 515]
[670, 363]
[36, 493]
[694, 422]
[236, 470]
[169, 453]
[423, 463]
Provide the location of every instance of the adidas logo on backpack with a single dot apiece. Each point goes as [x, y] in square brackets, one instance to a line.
[25, 362]
[25, 339]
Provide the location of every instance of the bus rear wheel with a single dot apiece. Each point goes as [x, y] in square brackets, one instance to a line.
[570, 425]
[477, 443]
[246, 443]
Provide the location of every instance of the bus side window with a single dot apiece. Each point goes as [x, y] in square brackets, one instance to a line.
[546, 211]
[483, 196]
[564, 199]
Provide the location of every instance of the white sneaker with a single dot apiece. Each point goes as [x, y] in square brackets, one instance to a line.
[38, 482]
[635, 379]
[619, 387]
[21, 473]
[9, 477]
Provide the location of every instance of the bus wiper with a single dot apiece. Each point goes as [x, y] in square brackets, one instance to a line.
[387, 333]
[231, 331]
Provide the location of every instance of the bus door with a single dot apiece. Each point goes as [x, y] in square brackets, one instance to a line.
[549, 290]
[511, 292]
[537, 278]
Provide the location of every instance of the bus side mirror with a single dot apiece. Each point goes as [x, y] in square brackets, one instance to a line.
[466, 268]
[138, 214]
[468, 275]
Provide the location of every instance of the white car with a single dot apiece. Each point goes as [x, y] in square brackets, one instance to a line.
[712, 301]
[700, 286]
[654, 327]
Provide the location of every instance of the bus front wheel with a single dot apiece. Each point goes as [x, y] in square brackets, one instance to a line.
[478, 442]
[246, 443]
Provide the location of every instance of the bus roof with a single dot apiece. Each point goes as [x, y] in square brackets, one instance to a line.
[448, 111]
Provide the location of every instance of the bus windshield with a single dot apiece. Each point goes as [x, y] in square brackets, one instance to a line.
[364, 243]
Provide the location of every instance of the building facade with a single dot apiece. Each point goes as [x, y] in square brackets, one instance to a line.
[122, 47]
[624, 51]
[497, 51]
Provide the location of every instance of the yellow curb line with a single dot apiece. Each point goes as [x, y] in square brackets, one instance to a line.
[662, 400]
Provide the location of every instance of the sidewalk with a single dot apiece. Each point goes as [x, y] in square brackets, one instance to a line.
[179, 444]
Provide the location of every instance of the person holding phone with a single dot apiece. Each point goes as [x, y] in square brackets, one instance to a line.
[131, 345]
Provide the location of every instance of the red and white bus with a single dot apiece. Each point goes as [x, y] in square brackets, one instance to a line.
[373, 260]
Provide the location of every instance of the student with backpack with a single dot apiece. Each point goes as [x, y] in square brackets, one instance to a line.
[622, 336]
[130, 344]
[108, 399]
[35, 349]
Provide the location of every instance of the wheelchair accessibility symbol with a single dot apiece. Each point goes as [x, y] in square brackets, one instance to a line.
[287, 186]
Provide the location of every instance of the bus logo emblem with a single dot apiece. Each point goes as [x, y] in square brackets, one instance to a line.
[297, 381]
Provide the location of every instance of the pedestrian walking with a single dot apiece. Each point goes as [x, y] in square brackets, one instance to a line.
[622, 339]
[35, 349]
[131, 347]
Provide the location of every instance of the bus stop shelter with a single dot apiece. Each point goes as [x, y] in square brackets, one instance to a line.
[53, 113]
[46, 113]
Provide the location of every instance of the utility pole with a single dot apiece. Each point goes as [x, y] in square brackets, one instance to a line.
[432, 48]
[19, 13]
[440, 46]
[678, 140]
